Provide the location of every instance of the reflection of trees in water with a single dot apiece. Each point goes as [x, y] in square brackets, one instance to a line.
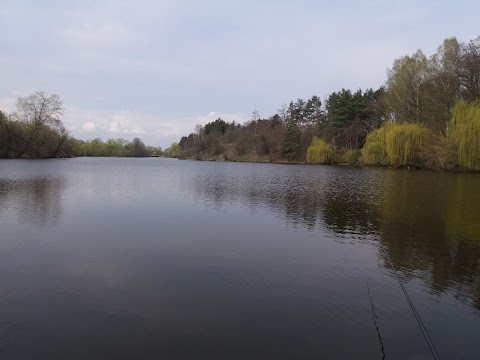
[351, 204]
[463, 220]
[430, 223]
[463, 233]
[425, 221]
[344, 201]
[37, 201]
[298, 198]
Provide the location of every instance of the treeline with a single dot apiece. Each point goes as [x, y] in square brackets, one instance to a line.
[114, 148]
[426, 115]
[345, 120]
[35, 131]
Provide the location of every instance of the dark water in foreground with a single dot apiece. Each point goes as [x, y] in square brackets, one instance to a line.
[166, 259]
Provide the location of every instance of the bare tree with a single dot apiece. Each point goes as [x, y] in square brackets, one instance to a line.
[198, 130]
[469, 70]
[39, 110]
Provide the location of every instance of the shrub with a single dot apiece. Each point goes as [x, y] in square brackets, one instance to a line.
[465, 132]
[394, 144]
[319, 152]
[352, 156]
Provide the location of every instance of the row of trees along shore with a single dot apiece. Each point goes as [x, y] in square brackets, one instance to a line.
[427, 115]
[35, 131]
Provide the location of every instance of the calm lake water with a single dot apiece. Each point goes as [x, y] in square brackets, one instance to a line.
[168, 259]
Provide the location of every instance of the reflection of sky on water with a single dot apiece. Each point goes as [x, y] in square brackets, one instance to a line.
[103, 231]
[36, 200]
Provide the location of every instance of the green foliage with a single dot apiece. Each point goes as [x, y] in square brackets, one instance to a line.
[303, 113]
[113, 148]
[442, 84]
[35, 129]
[183, 141]
[351, 115]
[419, 97]
[465, 131]
[173, 151]
[313, 110]
[406, 88]
[402, 141]
[319, 152]
[352, 156]
[344, 107]
[374, 151]
[394, 144]
[296, 112]
[218, 125]
[4, 136]
[424, 90]
[291, 143]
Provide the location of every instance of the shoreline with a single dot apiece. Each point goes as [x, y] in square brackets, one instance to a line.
[285, 162]
[406, 167]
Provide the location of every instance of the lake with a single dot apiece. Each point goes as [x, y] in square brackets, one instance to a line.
[167, 259]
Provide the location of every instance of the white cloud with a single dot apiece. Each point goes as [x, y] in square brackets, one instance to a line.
[153, 130]
[124, 122]
[89, 127]
[93, 123]
[212, 116]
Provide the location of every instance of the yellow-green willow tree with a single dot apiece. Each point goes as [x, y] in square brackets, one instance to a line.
[374, 151]
[319, 152]
[465, 131]
[394, 144]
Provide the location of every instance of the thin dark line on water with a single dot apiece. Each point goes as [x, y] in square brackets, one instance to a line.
[429, 341]
[374, 318]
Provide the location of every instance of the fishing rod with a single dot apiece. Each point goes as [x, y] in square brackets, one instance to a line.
[375, 318]
[414, 310]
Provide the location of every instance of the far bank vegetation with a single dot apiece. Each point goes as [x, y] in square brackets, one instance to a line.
[427, 115]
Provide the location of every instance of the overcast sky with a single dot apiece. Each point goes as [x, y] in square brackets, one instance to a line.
[154, 69]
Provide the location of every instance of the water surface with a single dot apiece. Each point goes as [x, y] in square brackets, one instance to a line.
[167, 259]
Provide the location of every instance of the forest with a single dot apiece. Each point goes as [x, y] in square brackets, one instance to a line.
[426, 115]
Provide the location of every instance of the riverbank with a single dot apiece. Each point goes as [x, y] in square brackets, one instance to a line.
[392, 144]
[265, 160]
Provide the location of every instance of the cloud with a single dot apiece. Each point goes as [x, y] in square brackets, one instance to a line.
[154, 68]
[213, 115]
[89, 127]
[123, 122]
[152, 129]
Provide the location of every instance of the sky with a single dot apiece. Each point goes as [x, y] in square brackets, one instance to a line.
[155, 69]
